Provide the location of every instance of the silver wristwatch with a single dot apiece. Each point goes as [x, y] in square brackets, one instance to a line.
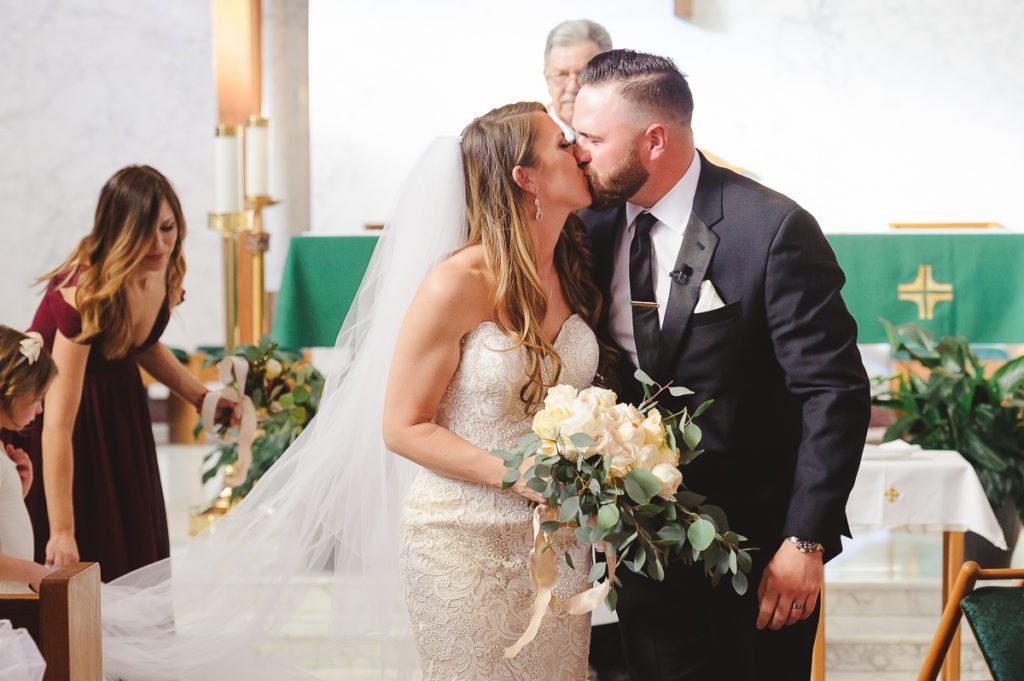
[805, 545]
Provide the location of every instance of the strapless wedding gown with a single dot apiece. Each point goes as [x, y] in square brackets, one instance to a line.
[465, 546]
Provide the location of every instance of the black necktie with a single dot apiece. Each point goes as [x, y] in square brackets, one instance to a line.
[646, 326]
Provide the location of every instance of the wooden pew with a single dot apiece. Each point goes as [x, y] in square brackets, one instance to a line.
[64, 620]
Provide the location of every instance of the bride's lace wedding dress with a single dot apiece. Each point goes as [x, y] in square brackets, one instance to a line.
[465, 546]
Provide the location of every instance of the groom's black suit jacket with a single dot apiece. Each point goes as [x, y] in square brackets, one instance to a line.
[784, 437]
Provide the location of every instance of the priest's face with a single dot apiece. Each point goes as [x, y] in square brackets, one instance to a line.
[563, 68]
[608, 146]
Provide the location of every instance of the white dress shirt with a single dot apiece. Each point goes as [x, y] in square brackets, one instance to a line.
[672, 213]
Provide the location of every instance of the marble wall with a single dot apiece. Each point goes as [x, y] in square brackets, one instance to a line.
[865, 112]
[87, 88]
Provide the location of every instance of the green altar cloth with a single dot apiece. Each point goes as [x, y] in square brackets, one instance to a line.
[970, 285]
[950, 283]
[321, 276]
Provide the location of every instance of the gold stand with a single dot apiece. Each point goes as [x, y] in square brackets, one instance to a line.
[818, 655]
[230, 225]
[256, 246]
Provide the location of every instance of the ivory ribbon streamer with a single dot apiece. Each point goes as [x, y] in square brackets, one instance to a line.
[544, 573]
[233, 369]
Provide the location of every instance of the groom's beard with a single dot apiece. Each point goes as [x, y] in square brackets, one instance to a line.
[620, 184]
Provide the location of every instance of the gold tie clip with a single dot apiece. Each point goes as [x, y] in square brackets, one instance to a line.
[642, 303]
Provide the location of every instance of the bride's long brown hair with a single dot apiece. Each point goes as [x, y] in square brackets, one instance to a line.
[123, 229]
[492, 145]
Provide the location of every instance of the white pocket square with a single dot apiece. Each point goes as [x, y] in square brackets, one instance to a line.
[709, 299]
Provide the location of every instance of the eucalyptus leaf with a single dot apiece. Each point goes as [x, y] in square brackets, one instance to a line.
[701, 533]
[607, 516]
[690, 499]
[510, 478]
[717, 515]
[702, 408]
[672, 532]
[582, 440]
[655, 570]
[642, 376]
[528, 441]
[550, 526]
[612, 599]
[568, 561]
[739, 583]
[300, 394]
[648, 482]
[568, 509]
[691, 435]
[597, 571]
[679, 391]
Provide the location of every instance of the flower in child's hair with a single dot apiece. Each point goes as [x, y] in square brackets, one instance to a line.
[670, 479]
[273, 368]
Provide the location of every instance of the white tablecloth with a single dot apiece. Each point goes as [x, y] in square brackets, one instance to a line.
[929, 491]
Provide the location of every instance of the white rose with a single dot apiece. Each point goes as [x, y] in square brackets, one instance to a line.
[605, 398]
[623, 461]
[654, 429]
[273, 368]
[548, 421]
[629, 435]
[560, 396]
[648, 456]
[616, 415]
[670, 478]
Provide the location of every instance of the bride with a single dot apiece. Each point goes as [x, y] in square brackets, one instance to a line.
[486, 263]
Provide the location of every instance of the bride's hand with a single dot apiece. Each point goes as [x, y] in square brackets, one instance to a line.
[520, 487]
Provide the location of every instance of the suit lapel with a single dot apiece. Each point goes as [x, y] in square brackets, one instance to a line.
[692, 262]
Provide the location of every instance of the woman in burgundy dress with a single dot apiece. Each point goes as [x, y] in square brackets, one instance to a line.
[101, 318]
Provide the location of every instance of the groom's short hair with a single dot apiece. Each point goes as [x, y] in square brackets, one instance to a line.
[647, 82]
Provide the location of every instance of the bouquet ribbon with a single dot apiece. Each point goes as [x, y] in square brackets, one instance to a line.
[233, 370]
[544, 573]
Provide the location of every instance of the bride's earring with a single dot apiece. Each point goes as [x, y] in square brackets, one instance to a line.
[536, 202]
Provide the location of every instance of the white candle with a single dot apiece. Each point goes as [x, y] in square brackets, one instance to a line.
[257, 140]
[227, 153]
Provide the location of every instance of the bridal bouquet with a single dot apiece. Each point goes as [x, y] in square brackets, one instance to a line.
[612, 471]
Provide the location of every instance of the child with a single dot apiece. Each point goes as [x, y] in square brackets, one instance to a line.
[26, 371]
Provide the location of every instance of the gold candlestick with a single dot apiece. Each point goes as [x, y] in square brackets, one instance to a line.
[230, 225]
[257, 246]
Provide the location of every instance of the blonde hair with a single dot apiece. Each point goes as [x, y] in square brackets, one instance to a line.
[122, 232]
[18, 377]
[492, 145]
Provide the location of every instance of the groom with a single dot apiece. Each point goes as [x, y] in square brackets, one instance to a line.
[726, 287]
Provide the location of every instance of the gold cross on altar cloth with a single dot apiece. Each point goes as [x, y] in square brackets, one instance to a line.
[925, 292]
[891, 495]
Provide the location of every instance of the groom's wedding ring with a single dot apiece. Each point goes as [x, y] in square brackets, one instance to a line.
[797, 606]
[642, 303]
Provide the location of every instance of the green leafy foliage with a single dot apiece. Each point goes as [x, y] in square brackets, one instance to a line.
[286, 393]
[958, 408]
[629, 515]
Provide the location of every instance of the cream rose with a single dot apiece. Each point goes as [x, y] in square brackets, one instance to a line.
[273, 368]
[670, 479]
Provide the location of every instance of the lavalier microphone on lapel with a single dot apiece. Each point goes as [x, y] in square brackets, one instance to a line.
[682, 275]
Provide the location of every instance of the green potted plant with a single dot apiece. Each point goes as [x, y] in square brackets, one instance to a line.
[958, 408]
[285, 390]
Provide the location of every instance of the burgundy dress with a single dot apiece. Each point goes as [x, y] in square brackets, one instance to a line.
[120, 520]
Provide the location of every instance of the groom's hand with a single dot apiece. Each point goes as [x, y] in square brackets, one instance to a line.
[791, 577]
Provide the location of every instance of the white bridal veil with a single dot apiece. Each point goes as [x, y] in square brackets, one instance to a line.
[302, 577]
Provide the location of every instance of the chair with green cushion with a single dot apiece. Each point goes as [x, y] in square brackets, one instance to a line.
[996, 614]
